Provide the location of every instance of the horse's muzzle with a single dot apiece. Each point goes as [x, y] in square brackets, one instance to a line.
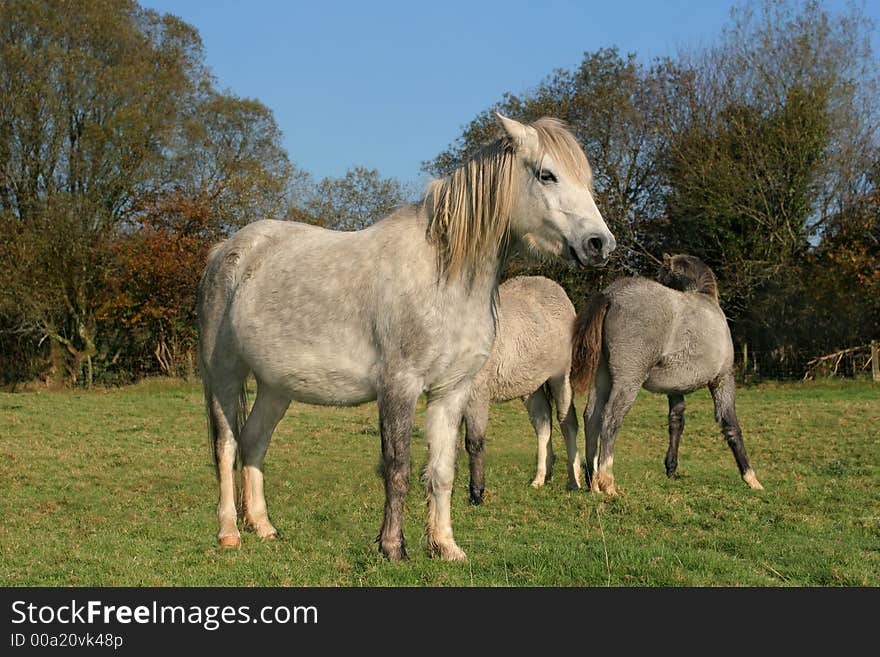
[596, 249]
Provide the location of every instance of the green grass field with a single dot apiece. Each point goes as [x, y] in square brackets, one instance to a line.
[116, 488]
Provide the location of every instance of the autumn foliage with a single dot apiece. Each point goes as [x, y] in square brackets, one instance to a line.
[159, 263]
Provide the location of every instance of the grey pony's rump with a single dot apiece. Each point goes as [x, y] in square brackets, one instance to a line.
[586, 342]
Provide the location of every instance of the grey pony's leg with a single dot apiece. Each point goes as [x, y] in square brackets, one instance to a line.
[476, 419]
[676, 427]
[723, 392]
[269, 407]
[442, 423]
[560, 388]
[225, 405]
[593, 414]
[620, 400]
[397, 404]
[538, 407]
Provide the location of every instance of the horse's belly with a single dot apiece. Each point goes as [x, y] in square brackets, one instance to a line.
[504, 386]
[678, 378]
[344, 376]
[329, 387]
[330, 384]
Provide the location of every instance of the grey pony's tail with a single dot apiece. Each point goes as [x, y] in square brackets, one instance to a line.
[241, 413]
[586, 342]
[208, 293]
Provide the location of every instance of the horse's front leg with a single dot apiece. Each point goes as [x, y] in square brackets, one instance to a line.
[476, 418]
[397, 404]
[442, 421]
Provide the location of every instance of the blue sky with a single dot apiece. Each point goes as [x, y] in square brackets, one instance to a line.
[391, 84]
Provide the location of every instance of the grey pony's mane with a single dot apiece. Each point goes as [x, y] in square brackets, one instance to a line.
[687, 273]
[469, 210]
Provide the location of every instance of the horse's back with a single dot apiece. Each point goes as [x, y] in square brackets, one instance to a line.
[674, 341]
[533, 338]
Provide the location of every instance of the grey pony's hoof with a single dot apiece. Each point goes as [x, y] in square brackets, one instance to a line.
[476, 496]
[394, 553]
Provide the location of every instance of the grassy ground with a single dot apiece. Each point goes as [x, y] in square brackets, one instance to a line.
[116, 488]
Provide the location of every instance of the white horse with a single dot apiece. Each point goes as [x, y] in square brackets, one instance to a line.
[386, 313]
[531, 359]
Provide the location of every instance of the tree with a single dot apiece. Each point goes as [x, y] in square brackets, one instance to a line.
[151, 308]
[846, 271]
[354, 201]
[741, 191]
[106, 109]
[229, 149]
[85, 96]
[766, 136]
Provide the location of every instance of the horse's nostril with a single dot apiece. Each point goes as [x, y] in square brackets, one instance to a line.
[595, 244]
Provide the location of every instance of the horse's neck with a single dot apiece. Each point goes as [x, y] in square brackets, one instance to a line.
[477, 279]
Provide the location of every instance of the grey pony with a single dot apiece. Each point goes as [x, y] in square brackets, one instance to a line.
[640, 333]
[387, 313]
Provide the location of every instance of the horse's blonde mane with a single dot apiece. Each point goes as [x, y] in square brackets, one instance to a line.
[469, 210]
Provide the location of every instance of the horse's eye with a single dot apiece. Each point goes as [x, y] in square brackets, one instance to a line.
[546, 176]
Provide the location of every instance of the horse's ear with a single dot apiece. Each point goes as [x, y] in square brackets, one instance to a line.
[667, 260]
[523, 135]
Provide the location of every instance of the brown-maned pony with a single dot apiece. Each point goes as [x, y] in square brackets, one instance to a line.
[640, 333]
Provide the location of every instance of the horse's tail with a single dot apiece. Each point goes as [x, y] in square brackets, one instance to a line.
[212, 299]
[586, 342]
[241, 413]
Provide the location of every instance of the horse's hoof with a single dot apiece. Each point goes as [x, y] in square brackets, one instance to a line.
[574, 485]
[396, 552]
[476, 498]
[603, 483]
[262, 528]
[537, 483]
[230, 541]
[449, 552]
[750, 478]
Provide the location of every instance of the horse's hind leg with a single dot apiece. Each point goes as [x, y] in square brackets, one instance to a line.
[476, 418]
[724, 395]
[593, 414]
[560, 388]
[442, 422]
[269, 407]
[226, 405]
[397, 407]
[620, 400]
[538, 407]
[676, 427]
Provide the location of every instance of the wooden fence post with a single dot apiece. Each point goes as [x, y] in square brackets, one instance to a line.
[875, 361]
